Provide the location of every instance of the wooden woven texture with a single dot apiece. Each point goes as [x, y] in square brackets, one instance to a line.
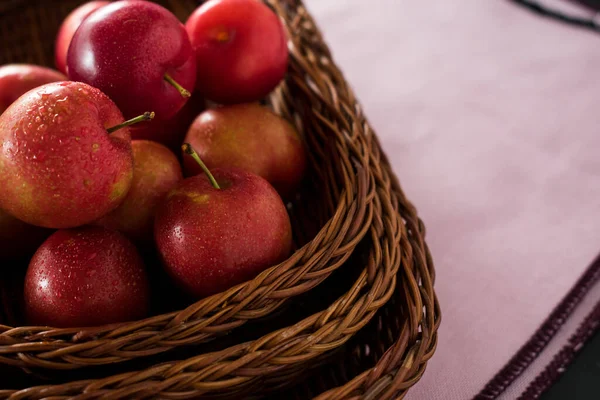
[352, 201]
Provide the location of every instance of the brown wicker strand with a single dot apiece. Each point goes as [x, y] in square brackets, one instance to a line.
[363, 219]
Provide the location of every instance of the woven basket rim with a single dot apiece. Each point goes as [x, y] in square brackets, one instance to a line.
[371, 204]
[352, 216]
[381, 381]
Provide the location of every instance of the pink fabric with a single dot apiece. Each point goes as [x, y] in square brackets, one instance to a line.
[490, 116]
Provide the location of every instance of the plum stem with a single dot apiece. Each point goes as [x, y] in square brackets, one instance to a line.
[189, 150]
[147, 116]
[181, 89]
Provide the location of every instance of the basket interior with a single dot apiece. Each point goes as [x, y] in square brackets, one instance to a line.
[27, 30]
[27, 36]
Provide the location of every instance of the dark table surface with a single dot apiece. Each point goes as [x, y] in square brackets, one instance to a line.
[581, 380]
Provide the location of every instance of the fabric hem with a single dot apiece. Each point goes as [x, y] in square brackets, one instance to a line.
[545, 333]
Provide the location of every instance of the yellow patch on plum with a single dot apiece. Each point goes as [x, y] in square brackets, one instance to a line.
[119, 189]
[26, 199]
[200, 198]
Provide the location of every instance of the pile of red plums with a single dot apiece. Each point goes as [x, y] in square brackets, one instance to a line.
[93, 158]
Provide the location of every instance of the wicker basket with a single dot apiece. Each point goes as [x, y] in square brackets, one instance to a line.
[351, 218]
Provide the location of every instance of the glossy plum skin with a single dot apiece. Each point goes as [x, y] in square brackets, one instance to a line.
[19, 240]
[126, 48]
[59, 168]
[172, 131]
[84, 277]
[156, 171]
[67, 30]
[250, 137]
[18, 79]
[241, 50]
[212, 239]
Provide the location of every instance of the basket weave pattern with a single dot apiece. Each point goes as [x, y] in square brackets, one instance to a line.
[360, 202]
[352, 210]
